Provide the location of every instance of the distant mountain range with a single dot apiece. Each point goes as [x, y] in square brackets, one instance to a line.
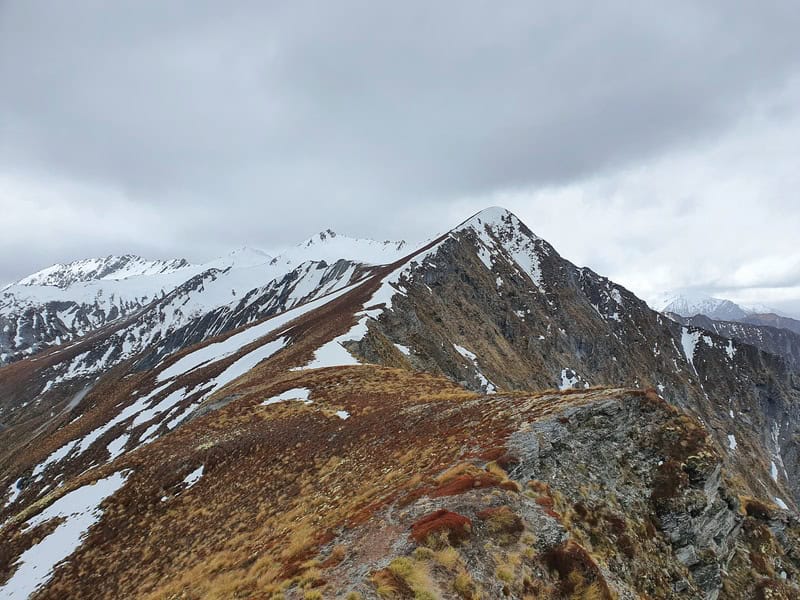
[63, 302]
[759, 326]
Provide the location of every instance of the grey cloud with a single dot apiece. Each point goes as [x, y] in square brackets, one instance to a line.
[408, 97]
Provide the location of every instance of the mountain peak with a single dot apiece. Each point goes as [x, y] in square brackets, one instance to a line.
[490, 215]
[329, 246]
[244, 256]
[689, 304]
[501, 221]
[321, 237]
[497, 218]
[110, 267]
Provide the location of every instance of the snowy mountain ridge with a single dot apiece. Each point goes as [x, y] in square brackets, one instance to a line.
[329, 246]
[66, 301]
[689, 304]
[106, 268]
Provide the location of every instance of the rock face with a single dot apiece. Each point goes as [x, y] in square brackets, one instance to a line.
[627, 451]
[229, 440]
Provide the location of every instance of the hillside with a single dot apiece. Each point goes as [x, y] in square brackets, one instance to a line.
[395, 430]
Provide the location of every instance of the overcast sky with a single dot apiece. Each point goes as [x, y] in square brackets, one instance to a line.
[658, 143]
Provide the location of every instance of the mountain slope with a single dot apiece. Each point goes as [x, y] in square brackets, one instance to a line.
[778, 341]
[248, 451]
[535, 321]
[773, 320]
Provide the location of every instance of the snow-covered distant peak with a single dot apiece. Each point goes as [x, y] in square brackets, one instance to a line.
[330, 247]
[693, 303]
[320, 238]
[97, 269]
[503, 223]
[761, 309]
[240, 258]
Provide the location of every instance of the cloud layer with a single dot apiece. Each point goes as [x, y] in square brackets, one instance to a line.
[652, 142]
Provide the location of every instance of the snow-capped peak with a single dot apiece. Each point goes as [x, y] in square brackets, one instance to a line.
[502, 221]
[96, 269]
[242, 257]
[329, 246]
[320, 238]
[689, 304]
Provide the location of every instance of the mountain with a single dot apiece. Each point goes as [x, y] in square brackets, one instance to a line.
[329, 246]
[65, 302]
[474, 416]
[689, 305]
[97, 269]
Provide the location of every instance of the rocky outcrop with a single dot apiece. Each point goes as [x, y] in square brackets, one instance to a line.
[605, 495]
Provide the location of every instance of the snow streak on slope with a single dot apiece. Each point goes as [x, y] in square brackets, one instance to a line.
[298, 394]
[212, 293]
[79, 509]
[234, 343]
[486, 385]
[194, 476]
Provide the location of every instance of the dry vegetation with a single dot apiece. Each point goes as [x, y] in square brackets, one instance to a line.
[294, 501]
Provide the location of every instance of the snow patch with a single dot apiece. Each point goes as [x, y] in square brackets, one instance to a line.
[56, 456]
[193, 477]
[689, 341]
[81, 509]
[13, 492]
[569, 379]
[465, 353]
[486, 385]
[116, 446]
[300, 394]
[343, 414]
[244, 364]
[485, 256]
[731, 441]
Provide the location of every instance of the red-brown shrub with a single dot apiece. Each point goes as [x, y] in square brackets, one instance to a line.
[457, 527]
